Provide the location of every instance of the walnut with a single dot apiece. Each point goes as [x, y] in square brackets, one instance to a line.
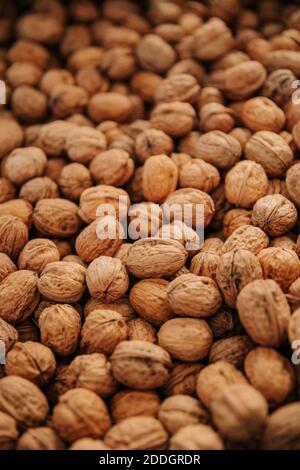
[154, 257]
[62, 281]
[102, 331]
[270, 373]
[29, 104]
[234, 271]
[140, 329]
[129, 403]
[176, 118]
[107, 279]
[93, 198]
[294, 326]
[52, 137]
[89, 56]
[140, 365]
[80, 413]
[113, 167]
[31, 360]
[234, 218]
[240, 412]
[84, 143]
[25, 50]
[220, 149]
[60, 328]
[149, 299]
[13, 237]
[196, 437]
[18, 295]
[22, 73]
[7, 190]
[40, 27]
[121, 305]
[17, 208]
[215, 116]
[245, 183]
[93, 372]
[73, 180]
[280, 264]
[137, 433]
[155, 54]
[8, 334]
[271, 151]
[179, 87]
[199, 174]
[248, 238]
[274, 214]
[264, 312]
[282, 429]
[179, 411]
[38, 188]
[159, 178]
[186, 339]
[183, 301]
[292, 183]
[8, 432]
[23, 400]
[214, 379]
[232, 350]
[56, 217]
[40, 438]
[55, 77]
[109, 106]
[37, 253]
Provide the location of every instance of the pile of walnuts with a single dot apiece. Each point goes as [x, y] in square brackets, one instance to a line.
[150, 344]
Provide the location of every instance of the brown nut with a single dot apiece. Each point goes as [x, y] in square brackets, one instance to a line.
[62, 281]
[220, 149]
[179, 411]
[274, 214]
[280, 264]
[40, 438]
[73, 180]
[13, 236]
[262, 114]
[129, 403]
[152, 142]
[109, 106]
[160, 176]
[62, 215]
[176, 118]
[23, 164]
[246, 237]
[140, 365]
[292, 183]
[264, 312]
[114, 167]
[84, 143]
[196, 437]
[107, 278]
[155, 54]
[199, 174]
[8, 433]
[11, 136]
[37, 253]
[282, 429]
[179, 87]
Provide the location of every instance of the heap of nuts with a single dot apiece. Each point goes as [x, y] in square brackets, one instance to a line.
[160, 342]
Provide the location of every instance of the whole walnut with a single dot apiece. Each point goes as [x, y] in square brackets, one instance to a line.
[240, 412]
[234, 271]
[179, 87]
[217, 148]
[140, 329]
[294, 326]
[11, 136]
[107, 278]
[212, 40]
[160, 176]
[148, 297]
[137, 433]
[152, 142]
[155, 54]
[214, 379]
[176, 118]
[282, 429]
[109, 106]
[73, 180]
[18, 295]
[121, 305]
[97, 196]
[7, 190]
[80, 413]
[8, 432]
[114, 167]
[140, 365]
[62, 281]
[292, 183]
[13, 236]
[19, 208]
[29, 105]
[41, 187]
[264, 312]
[270, 373]
[248, 238]
[102, 331]
[195, 296]
[23, 401]
[275, 214]
[215, 116]
[232, 350]
[93, 372]
[280, 264]
[8, 334]
[52, 137]
[55, 77]
[179, 411]
[245, 183]
[37, 253]
[145, 84]
[56, 217]
[60, 327]
[31, 360]
[182, 379]
[186, 339]
[196, 437]
[271, 151]
[118, 63]
[40, 438]
[23, 164]
[262, 114]
[278, 86]
[234, 218]
[84, 143]
[41, 27]
[154, 257]
[94, 241]
[127, 403]
[199, 174]
[66, 100]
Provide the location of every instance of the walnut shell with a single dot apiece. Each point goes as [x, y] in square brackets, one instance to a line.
[23, 400]
[127, 403]
[107, 279]
[274, 214]
[73, 180]
[84, 143]
[109, 107]
[8, 335]
[176, 118]
[140, 329]
[93, 198]
[6, 266]
[246, 237]
[137, 433]
[196, 437]
[217, 148]
[37, 253]
[113, 167]
[62, 281]
[41, 187]
[13, 236]
[41, 438]
[102, 331]
[264, 312]
[179, 87]
[199, 174]
[232, 350]
[195, 296]
[140, 365]
[155, 54]
[280, 264]
[160, 176]
[80, 413]
[283, 429]
[179, 411]
[62, 215]
[8, 432]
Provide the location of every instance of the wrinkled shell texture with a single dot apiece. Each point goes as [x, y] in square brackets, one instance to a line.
[149, 225]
